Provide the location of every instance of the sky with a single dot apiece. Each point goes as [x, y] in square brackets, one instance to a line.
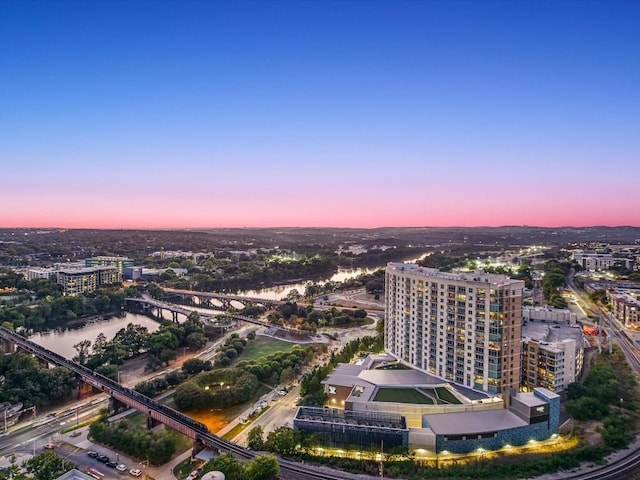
[193, 114]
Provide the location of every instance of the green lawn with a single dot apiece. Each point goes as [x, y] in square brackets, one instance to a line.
[402, 395]
[263, 346]
[447, 396]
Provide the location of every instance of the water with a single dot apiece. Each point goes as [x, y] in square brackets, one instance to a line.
[62, 341]
[279, 292]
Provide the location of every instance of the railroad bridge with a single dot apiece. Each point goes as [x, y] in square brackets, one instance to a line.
[157, 411]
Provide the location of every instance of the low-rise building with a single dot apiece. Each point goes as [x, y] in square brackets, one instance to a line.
[601, 261]
[548, 314]
[552, 354]
[437, 415]
[533, 416]
[86, 280]
[34, 273]
[625, 305]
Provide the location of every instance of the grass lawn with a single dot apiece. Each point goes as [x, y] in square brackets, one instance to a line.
[445, 395]
[235, 431]
[402, 395]
[263, 346]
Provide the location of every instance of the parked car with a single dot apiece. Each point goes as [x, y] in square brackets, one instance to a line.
[102, 458]
[112, 464]
[92, 454]
[121, 467]
[135, 472]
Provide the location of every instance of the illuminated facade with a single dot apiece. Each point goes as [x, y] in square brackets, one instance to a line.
[550, 365]
[625, 305]
[86, 280]
[103, 261]
[465, 328]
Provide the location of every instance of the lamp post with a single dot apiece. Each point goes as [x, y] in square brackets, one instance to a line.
[144, 467]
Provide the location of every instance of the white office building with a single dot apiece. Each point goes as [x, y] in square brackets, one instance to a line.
[465, 328]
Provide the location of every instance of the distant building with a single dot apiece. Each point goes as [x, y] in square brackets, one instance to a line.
[625, 305]
[548, 314]
[601, 261]
[86, 280]
[34, 273]
[463, 327]
[103, 261]
[133, 273]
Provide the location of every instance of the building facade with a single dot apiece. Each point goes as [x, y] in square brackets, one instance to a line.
[34, 273]
[601, 261]
[86, 280]
[548, 314]
[625, 305]
[465, 328]
[104, 261]
[550, 365]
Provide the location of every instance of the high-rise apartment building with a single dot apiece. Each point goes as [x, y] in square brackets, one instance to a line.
[466, 328]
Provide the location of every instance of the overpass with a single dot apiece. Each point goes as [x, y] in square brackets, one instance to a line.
[161, 413]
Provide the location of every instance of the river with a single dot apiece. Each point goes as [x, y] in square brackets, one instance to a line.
[62, 341]
[281, 291]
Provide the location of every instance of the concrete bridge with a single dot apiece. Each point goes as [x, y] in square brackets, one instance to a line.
[175, 310]
[224, 300]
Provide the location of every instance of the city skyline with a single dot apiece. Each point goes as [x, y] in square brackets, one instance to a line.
[322, 114]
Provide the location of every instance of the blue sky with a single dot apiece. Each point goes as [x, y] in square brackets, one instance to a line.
[336, 113]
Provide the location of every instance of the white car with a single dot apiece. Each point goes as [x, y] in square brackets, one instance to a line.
[121, 467]
[135, 472]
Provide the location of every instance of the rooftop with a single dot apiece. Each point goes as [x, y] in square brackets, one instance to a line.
[74, 475]
[469, 423]
[472, 277]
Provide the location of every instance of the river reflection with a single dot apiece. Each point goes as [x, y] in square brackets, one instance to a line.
[62, 341]
[280, 291]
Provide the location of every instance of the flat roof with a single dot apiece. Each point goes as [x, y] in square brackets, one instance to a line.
[71, 271]
[470, 423]
[531, 400]
[403, 378]
[472, 277]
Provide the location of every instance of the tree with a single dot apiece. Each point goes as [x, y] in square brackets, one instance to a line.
[255, 438]
[48, 466]
[287, 375]
[282, 440]
[83, 351]
[262, 468]
[227, 464]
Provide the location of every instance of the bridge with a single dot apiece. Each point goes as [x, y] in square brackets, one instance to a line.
[161, 413]
[622, 466]
[206, 299]
[273, 330]
[175, 310]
